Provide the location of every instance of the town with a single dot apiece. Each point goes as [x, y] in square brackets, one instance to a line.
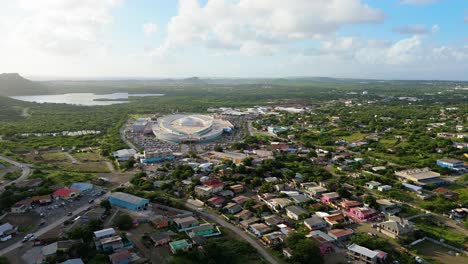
[343, 181]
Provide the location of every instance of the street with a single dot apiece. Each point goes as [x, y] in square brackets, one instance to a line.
[252, 241]
[24, 175]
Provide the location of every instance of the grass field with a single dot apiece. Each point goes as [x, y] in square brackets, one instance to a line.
[87, 156]
[354, 137]
[461, 190]
[97, 167]
[54, 156]
[437, 254]
[66, 178]
[440, 230]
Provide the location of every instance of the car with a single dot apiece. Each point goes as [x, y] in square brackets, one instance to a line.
[418, 259]
[27, 238]
[69, 214]
[91, 201]
[42, 223]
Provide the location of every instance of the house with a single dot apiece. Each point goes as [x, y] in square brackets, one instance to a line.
[240, 200]
[82, 186]
[451, 164]
[358, 254]
[340, 235]
[295, 212]
[237, 188]
[259, 229]
[315, 222]
[448, 194]
[348, 204]
[273, 130]
[66, 193]
[121, 257]
[300, 199]
[395, 227]
[232, 208]
[287, 252]
[334, 219]
[160, 222]
[422, 176]
[458, 213]
[226, 194]
[185, 223]
[387, 207]
[280, 203]
[183, 245]
[216, 201]
[330, 197]
[206, 230]
[273, 220]
[128, 201]
[363, 213]
[160, 238]
[271, 179]
[274, 238]
[384, 188]
[108, 232]
[243, 215]
[209, 187]
[21, 206]
[110, 244]
[317, 191]
[198, 241]
[373, 184]
[246, 223]
[323, 240]
[49, 250]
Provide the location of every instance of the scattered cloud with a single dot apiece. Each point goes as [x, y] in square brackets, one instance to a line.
[412, 30]
[466, 19]
[417, 2]
[435, 29]
[262, 26]
[150, 28]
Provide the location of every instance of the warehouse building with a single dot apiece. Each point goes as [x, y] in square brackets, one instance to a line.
[128, 201]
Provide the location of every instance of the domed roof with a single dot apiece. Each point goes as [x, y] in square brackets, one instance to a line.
[189, 121]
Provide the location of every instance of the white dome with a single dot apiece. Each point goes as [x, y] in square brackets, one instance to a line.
[189, 121]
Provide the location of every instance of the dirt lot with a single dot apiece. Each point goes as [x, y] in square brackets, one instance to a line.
[438, 254]
[160, 254]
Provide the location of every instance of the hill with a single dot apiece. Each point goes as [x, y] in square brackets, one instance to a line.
[13, 84]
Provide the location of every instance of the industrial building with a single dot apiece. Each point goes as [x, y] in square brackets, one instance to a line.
[451, 164]
[420, 176]
[128, 201]
[140, 124]
[158, 156]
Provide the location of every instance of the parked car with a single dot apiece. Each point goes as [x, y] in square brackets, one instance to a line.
[27, 238]
[69, 214]
[418, 259]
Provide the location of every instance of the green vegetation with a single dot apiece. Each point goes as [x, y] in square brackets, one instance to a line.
[123, 222]
[437, 230]
[220, 250]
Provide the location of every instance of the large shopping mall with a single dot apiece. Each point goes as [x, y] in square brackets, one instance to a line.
[194, 128]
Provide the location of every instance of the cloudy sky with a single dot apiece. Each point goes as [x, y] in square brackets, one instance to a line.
[392, 39]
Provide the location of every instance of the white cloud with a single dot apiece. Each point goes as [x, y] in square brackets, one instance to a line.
[60, 26]
[249, 24]
[150, 28]
[435, 29]
[466, 19]
[417, 2]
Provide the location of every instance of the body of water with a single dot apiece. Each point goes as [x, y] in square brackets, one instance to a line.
[82, 98]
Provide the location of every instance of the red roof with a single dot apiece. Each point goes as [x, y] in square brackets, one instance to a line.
[213, 182]
[341, 232]
[65, 192]
[216, 200]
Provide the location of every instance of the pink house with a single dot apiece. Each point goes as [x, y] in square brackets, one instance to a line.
[363, 214]
[330, 197]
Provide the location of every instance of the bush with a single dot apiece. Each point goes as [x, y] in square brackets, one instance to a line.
[123, 222]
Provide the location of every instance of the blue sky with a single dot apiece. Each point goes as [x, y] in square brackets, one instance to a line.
[381, 39]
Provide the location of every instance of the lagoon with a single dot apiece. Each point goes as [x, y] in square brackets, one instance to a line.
[88, 99]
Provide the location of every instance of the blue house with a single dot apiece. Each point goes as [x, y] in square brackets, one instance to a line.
[128, 201]
[82, 186]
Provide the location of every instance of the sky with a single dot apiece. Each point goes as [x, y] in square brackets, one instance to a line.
[374, 39]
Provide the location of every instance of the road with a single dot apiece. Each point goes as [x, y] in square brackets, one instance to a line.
[24, 175]
[73, 159]
[53, 225]
[252, 241]
[124, 139]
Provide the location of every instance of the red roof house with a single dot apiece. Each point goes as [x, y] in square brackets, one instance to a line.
[66, 193]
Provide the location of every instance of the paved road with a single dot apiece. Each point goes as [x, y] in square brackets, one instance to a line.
[53, 225]
[237, 231]
[24, 175]
[124, 139]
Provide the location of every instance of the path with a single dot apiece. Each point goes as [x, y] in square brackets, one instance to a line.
[53, 225]
[238, 232]
[24, 174]
[73, 159]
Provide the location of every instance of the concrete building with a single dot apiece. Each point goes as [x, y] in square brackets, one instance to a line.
[358, 254]
[451, 164]
[128, 201]
[124, 154]
[420, 176]
[395, 227]
[140, 124]
[315, 222]
[295, 212]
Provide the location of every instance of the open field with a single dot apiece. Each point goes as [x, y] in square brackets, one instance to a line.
[438, 254]
[53, 156]
[97, 167]
[87, 156]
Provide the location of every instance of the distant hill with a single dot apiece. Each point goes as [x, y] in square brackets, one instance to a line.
[13, 84]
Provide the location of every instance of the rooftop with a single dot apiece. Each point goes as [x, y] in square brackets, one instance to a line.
[363, 251]
[104, 232]
[128, 198]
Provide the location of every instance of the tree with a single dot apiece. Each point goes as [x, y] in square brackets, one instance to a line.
[247, 161]
[123, 222]
[370, 201]
[218, 148]
[106, 205]
[305, 251]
